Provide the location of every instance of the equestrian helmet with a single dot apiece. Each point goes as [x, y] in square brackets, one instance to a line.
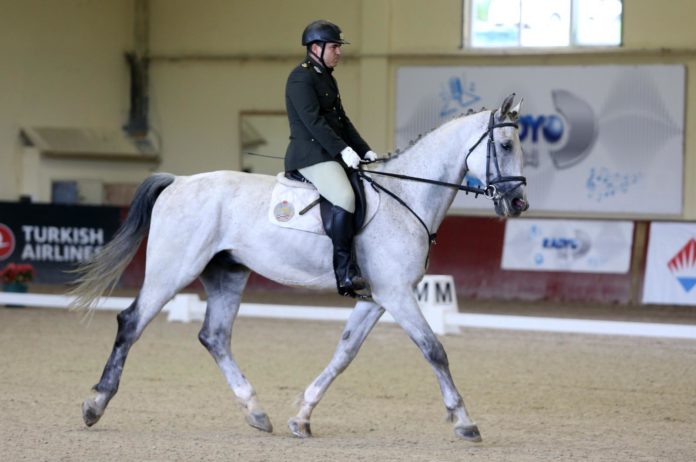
[322, 31]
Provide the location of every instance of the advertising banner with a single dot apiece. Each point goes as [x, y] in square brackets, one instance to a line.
[53, 238]
[590, 246]
[597, 139]
[670, 271]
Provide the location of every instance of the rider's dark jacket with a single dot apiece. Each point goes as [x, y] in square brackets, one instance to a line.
[319, 127]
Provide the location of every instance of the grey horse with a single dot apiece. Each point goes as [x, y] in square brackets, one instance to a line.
[215, 226]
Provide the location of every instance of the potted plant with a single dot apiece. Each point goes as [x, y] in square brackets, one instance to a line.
[16, 277]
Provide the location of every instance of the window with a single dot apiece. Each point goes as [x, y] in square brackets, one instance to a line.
[542, 23]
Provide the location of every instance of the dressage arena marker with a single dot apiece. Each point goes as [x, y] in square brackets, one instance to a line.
[436, 297]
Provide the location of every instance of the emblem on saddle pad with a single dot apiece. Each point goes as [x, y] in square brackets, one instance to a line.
[283, 211]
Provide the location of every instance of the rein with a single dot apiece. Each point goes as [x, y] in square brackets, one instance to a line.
[490, 191]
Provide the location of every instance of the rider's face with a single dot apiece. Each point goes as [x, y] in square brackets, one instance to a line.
[332, 53]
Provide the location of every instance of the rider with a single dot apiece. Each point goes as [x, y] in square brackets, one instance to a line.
[324, 142]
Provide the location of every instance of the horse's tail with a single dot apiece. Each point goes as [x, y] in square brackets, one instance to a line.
[100, 274]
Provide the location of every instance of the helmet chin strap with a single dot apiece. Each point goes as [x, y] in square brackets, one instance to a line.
[321, 57]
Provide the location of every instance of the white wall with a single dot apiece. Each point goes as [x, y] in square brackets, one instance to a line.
[61, 65]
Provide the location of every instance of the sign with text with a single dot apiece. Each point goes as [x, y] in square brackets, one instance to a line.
[596, 139]
[589, 246]
[436, 295]
[54, 238]
[670, 271]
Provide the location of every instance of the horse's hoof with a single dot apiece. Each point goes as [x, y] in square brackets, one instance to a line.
[300, 428]
[468, 433]
[91, 412]
[259, 420]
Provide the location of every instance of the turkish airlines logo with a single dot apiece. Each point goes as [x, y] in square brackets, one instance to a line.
[7, 242]
[683, 265]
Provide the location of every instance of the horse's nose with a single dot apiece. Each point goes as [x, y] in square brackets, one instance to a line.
[519, 204]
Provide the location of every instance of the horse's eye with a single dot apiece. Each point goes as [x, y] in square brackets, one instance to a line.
[507, 145]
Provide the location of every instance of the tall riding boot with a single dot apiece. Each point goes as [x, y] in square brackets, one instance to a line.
[348, 278]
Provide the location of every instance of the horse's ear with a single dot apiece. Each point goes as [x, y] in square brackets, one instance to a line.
[514, 113]
[505, 107]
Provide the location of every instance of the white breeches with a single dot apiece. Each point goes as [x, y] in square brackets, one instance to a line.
[331, 181]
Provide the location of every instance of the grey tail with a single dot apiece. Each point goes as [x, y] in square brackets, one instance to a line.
[99, 275]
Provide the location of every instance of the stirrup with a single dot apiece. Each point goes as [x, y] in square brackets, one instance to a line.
[351, 291]
[353, 294]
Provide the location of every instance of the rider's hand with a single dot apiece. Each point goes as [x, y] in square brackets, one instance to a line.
[371, 156]
[350, 157]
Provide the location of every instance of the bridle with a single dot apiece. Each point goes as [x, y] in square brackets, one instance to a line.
[493, 179]
[491, 191]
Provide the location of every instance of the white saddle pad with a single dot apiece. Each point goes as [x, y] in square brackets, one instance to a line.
[290, 199]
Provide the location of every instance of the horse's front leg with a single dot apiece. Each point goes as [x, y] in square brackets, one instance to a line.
[407, 313]
[361, 321]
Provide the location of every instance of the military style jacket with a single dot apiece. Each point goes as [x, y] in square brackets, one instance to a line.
[319, 127]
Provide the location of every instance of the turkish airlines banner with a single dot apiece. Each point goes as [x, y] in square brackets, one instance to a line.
[597, 139]
[54, 238]
[670, 272]
[590, 246]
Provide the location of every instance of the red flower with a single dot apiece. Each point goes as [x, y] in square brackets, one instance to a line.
[17, 273]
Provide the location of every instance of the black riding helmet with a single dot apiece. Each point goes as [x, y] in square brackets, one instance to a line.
[322, 31]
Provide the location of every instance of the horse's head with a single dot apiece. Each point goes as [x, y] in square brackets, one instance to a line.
[498, 158]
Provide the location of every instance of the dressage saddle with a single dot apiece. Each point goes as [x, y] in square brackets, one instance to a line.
[325, 206]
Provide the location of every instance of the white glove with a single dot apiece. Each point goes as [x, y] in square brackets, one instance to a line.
[350, 157]
[371, 156]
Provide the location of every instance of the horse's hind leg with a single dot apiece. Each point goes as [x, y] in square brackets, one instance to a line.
[224, 282]
[407, 314]
[131, 323]
[361, 321]
[92, 409]
[164, 277]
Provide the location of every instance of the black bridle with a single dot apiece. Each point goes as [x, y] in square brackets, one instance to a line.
[490, 191]
[492, 159]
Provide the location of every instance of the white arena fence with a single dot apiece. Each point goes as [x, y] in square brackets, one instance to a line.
[436, 295]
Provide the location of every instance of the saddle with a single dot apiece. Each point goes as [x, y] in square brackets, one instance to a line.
[294, 203]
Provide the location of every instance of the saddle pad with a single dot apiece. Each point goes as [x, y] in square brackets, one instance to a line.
[290, 197]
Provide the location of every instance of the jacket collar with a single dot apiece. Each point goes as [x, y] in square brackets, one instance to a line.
[317, 66]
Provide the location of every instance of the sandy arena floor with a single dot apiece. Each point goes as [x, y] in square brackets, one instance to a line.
[536, 397]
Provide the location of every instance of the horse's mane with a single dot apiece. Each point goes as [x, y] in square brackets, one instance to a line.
[411, 143]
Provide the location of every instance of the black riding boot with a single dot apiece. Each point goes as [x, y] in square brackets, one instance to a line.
[348, 278]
